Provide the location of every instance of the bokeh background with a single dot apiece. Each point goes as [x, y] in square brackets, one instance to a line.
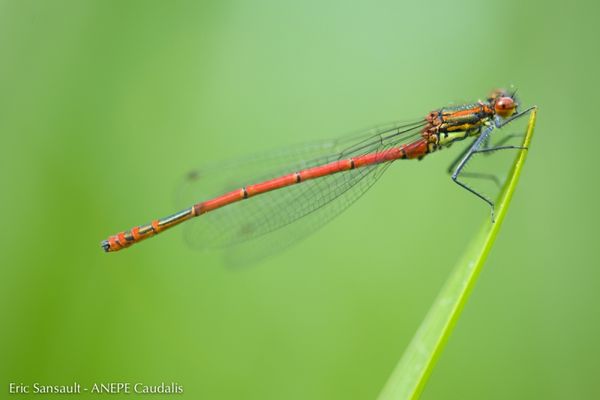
[104, 105]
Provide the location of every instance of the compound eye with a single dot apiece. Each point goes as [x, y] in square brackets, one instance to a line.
[505, 107]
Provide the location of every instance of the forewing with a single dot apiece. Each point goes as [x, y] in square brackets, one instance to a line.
[271, 221]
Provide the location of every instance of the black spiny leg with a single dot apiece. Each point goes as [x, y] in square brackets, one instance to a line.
[474, 149]
[462, 155]
[476, 175]
[480, 146]
[486, 145]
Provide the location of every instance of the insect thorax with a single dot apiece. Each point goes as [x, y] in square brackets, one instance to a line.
[451, 124]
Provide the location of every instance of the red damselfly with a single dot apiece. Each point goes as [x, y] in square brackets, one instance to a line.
[316, 183]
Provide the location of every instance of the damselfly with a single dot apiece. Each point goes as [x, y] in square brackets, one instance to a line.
[325, 179]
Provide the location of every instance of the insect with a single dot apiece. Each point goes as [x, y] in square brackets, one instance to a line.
[318, 182]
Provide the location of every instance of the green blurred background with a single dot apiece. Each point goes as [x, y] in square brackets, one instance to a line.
[104, 106]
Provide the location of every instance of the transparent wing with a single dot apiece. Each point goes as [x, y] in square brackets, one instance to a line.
[213, 179]
[331, 198]
[269, 222]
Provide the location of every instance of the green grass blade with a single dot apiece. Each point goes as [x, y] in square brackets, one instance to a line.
[411, 374]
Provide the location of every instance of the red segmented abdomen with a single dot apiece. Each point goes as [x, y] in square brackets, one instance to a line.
[272, 184]
[126, 238]
[218, 202]
[413, 150]
[416, 149]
